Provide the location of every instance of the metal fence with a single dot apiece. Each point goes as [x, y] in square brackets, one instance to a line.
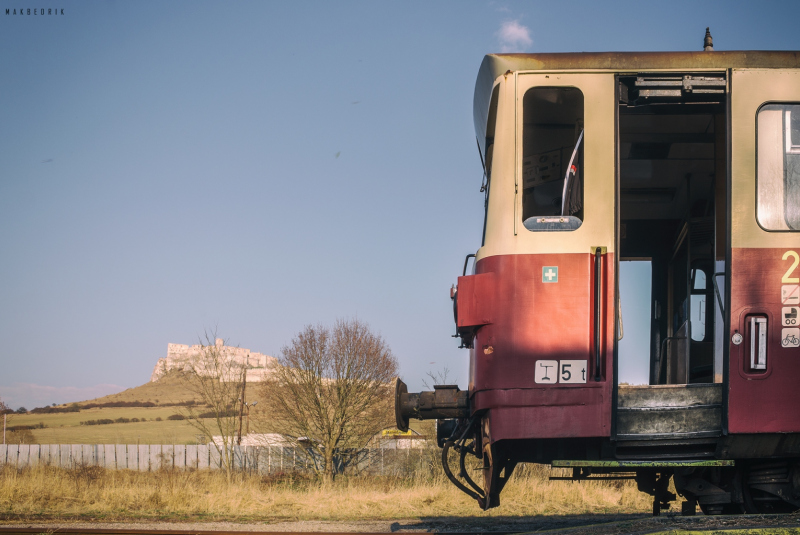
[251, 459]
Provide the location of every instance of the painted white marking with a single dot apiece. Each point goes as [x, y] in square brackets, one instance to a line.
[572, 371]
[789, 316]
[790, 337]
[546, 371]
[790, 294]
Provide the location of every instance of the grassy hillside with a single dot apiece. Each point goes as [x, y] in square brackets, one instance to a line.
[152, 427]
[169, 390]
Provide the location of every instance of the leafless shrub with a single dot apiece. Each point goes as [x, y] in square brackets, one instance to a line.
[84, 474]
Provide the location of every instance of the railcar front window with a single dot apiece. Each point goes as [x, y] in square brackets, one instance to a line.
[552, 159]
[778, 172]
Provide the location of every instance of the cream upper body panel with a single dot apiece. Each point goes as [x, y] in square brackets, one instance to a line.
[757, 78]
[750, 90]
[495, 65]
[505, 232]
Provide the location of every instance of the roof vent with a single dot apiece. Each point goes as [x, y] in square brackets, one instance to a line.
[708, 42]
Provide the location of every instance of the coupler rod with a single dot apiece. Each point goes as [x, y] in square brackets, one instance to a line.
[445, 401]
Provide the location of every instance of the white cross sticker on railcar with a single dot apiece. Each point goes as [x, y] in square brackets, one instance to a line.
[550, 274]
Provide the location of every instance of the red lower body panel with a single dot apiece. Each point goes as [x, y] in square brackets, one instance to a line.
[546, 413]
[542, 313]
[764, 401]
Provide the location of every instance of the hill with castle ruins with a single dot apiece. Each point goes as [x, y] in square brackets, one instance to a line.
[182, 357]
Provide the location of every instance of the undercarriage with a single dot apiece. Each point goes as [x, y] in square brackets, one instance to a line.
[692, 460]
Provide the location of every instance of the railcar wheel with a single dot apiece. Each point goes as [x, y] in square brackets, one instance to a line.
[758, 502]
[759, 480]
[497, 467]
[763, 503]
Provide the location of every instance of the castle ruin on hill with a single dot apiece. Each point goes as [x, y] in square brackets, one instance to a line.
[190, 358]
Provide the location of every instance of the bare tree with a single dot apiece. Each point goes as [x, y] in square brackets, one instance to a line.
[331, 392]
[218, 380]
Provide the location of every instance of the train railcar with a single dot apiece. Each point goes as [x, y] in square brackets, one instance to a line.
[690, 160]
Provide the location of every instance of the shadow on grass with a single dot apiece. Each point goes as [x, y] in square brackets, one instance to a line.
[512, 524]
[603, 524]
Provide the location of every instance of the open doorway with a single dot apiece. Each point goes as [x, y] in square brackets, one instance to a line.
[672, 150]
[672, 168]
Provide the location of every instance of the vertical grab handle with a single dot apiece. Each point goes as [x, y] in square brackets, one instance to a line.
[598, 271]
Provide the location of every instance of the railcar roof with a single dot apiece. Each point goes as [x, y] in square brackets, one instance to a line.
[495, 65]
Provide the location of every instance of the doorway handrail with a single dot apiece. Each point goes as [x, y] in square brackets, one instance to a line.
[716, 291]
[564, 202]
[598, 376]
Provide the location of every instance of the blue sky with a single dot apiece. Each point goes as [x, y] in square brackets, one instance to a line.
[171, 168]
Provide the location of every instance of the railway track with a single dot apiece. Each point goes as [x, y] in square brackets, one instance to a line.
[131, 531]
[106, 531]
[63, 529]
[572, 525]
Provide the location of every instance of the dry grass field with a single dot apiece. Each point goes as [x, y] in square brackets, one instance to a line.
[95, 493]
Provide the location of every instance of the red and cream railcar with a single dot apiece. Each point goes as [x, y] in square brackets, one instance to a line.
[691, 161]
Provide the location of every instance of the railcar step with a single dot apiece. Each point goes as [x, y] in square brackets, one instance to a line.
[642, 464]
[663, 396]
[669, 411]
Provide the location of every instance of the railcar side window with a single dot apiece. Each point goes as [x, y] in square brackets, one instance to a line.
[778, 172]
[552, 158]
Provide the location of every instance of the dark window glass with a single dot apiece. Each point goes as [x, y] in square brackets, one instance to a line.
[552, 158]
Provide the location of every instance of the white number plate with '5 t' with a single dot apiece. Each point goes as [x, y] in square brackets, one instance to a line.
[561, 371]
